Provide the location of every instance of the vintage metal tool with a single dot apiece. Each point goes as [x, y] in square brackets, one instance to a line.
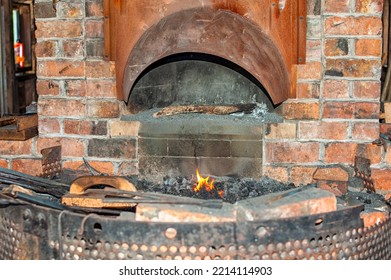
[82, 193]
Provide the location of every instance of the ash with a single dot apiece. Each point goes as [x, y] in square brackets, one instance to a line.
[234, 189]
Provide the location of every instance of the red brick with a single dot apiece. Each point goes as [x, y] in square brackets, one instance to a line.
[346, 152]
[367, 89]
[292, 152]
[381, 179]
[73, 48]
[302, 175]
[100, 69]
[75, 88]
[338, 110]
[299, 111]
[48, 87]
[101, 88]
[70, 147]
[124, 128]
[349, 110]
[314, 50]
[101, 166]
[308, 90]
[338, 188]
[354, 68]
[331, 174]
[15, 148]
[352, 25]
[103, 109]
[369, 6]
[83, 127]
[27, 166]
[61, 107]
[58, 29]
[365, 131]
[373, 218]
[94, 8]
[60, 68]
[340, 153]
[310, 70]
[323, 130]
[48, 126]
[286, 205]
[281, 131]
[336, 47]
[277, 173]
[48, 48]
[94, 29]
[3, 163]
[369, 47]
[337, 6]
[70, 10]
[367, 110]
[370, 151]
[335, 89]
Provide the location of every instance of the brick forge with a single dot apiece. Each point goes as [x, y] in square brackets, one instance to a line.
[334, 116]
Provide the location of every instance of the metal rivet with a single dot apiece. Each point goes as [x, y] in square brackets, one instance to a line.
[171, 233]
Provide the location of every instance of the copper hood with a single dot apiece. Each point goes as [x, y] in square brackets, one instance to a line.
[264, 37]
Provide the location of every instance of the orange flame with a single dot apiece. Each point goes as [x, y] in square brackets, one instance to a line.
[204, 183]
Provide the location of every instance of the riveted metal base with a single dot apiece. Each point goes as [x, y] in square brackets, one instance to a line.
[29, 231]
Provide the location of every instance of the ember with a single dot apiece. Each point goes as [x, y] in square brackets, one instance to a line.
[204, 184]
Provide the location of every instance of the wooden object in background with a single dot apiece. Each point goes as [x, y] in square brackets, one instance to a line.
[18, 128]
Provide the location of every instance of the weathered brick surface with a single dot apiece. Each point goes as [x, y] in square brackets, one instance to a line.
[281, 131]
[335, 89]
[73, 48]
[94, 29]
[277, 173]
[14, 148]
[48, 126]
[44, 10]
[104, 167]
[302, 175]
[101, 88]
[60, 68]
[338, 188]
[48, 87]
[81, 127]
[28, 166]
[353, 68]
[340, 153]
[126, 168]
[72, 9]
[292, 152]
[94, 8]
[314, 50]
[337, 6]
[353, 25]
[70, 147]
[61, 107]
[112, 148]
[323, 130]
[368, 47]
[75, 88]
[369, 6]
[48, 48]
[103, 109]
[3, 163]
[286, 204]
[124, 128]
[367, 89]
[365, 131]
[311, 70]
[308, 90]
[100, 69]
[50, 29]
[331, 174]
[337, 47]
[348, 110]
[382, 179]
[373, 218]
[299, 111]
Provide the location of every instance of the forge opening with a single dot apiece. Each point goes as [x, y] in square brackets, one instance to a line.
[195, 79]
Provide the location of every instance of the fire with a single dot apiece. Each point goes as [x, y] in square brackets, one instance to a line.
[206, 184]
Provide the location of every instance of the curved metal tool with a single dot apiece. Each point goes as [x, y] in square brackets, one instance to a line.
[81, 184]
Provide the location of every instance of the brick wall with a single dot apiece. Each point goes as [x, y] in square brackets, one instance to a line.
[333, 118]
